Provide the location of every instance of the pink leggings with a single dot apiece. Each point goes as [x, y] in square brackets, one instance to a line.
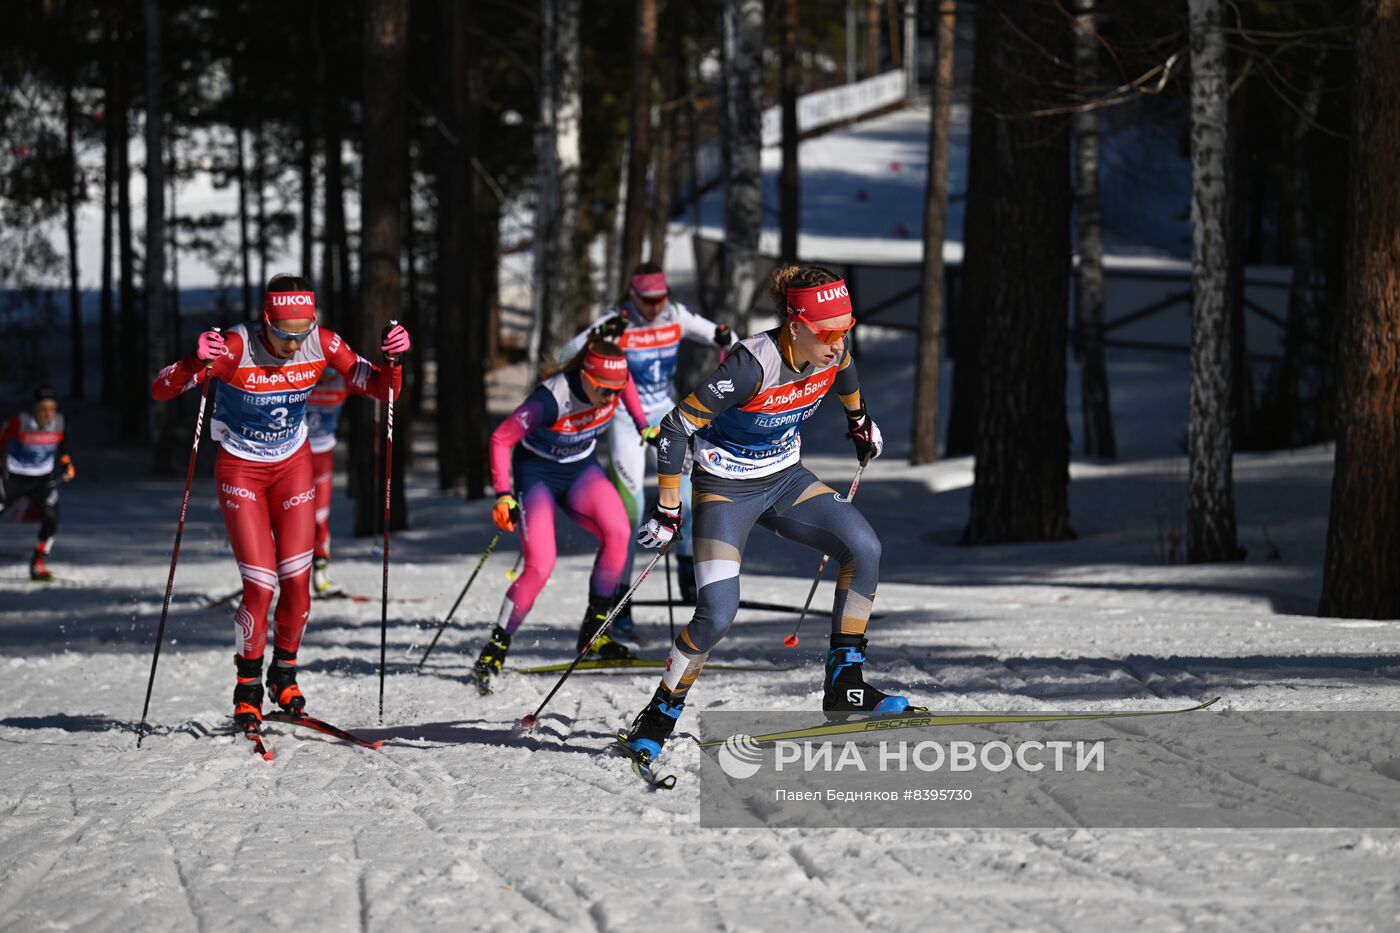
[586, 495]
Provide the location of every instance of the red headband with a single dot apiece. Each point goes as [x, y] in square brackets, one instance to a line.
[289, 306]
[820, 302]
[650, 284]
[607, 371]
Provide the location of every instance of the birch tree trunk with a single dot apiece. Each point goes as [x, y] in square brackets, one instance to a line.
[381, 225]
[1021, 478]
[1363, 530]
[1210, 519]
[556, 298]
[639, 147]
[1089, 293]
[743, 141]
[923, 447]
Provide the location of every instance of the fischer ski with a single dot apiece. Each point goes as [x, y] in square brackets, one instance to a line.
[648, 663]
[925, 719]
[642, 765]
[321, 726]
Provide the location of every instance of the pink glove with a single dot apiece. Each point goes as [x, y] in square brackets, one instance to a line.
[210, 346]
[394, 340]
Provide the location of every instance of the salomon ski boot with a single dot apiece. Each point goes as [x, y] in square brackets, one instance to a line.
[493, 656]
[846, 691]
[248, 694]
[653, 726]
[282, 682]
[605, 647]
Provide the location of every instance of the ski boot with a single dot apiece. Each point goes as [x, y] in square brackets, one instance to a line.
[493, 656]
[38, 570]
[322, 585]
[653, 726]
[846, 691]
[605, 648]
[248, 694]
[685, 574]
[282, 682]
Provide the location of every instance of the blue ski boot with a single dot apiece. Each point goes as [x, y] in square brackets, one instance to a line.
[846, 691]
[650, 730]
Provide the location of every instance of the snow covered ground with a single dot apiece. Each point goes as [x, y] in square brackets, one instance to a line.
[461, 822]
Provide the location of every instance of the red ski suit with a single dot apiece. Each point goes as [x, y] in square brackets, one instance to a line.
[263, 473]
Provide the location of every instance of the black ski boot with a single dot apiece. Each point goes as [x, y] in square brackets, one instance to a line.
[282, 682]
[623, 626]
[493, 656]
[653, 726]
[685, 575]
[846, 691]
[248, 694]
[605, 648]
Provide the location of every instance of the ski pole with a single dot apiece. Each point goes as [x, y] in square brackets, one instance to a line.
[792, 640]
[530, 721]
[388, 480]
[514, 572]
[670, 604]
[175, 552]
[443, 625]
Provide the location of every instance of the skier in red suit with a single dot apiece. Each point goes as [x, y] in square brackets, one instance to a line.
[263, 474]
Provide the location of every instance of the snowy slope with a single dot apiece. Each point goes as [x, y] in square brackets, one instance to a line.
[462, 822]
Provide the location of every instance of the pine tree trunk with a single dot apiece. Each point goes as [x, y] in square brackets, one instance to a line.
[639, 147]
[155, 348]
[1210, 520]
[1363, 530]
[674, 87]
[483, 256]
[307, 70]
[110, 368]
[75, 189]
[381, 226]
[1021, 480]
[872, 38]
[556, 279]
[260, 198]
[743, 141]
[661, 193]
[172, 244]
[923, 447]
[966, 321]
[336, 286]
[453, 222]
[789, 182]
[130, 419]
[1099, 440]
[241, 174]
[1300, 426]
